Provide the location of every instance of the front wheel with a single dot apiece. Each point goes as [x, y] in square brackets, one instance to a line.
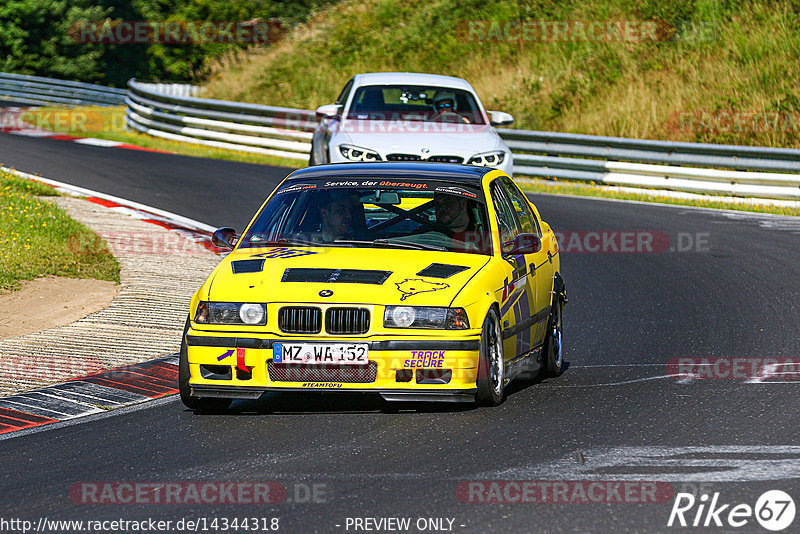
[491, 364]
[205, 404]
[553, 344]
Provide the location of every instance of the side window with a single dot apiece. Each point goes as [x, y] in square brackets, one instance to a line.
[527, 219]
[509, 228]
[342, 100]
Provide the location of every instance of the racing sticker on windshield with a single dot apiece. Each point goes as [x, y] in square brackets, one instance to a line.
[356, 183]
[296, 187]
[413, 286]
[282, 252]
[456, 191]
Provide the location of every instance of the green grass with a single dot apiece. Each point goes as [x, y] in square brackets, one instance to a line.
[37, 238]
[532, 185]
[722, 56]
[108, 123]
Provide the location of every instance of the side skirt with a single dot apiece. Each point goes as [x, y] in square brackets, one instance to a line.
[528, 362]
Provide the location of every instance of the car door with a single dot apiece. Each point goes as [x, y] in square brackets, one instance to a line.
[518, 295]
[540, 265]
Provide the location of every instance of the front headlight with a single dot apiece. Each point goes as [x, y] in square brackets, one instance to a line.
[356, 153]
[488, 159]
[231, 313]
[425, 317]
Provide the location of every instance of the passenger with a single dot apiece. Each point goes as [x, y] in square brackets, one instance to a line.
[454, 214]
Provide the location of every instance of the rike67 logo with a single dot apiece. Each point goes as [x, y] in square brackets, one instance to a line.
[774, 510]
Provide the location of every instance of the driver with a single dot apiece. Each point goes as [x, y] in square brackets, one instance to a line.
[445, 105]
[336, 213]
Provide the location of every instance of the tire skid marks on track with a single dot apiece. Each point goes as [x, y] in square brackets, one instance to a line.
[88, 395]
[608, 375]
[718, 463]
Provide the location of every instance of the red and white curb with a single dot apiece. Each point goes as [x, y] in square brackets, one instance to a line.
[114, 388]
[91, 394]
[26, 130]
[189, 228]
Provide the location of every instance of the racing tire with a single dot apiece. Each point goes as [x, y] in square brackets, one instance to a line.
[204, 404]
[553, 342]
[491, 363]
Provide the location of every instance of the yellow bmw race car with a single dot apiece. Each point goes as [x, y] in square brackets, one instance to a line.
[416, 281]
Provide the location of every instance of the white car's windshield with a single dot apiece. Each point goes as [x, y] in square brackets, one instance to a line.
[415, 103]
[374, 212]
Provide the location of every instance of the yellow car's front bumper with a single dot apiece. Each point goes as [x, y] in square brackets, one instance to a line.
[225, 364]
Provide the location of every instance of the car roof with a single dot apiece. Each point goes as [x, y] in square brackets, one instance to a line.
[410, 78]
[435, 171]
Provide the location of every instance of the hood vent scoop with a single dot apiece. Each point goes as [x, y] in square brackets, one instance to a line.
[247, 266]
[342, 276]
[441, 270]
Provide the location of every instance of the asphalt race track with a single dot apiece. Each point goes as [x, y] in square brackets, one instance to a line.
[719, 285]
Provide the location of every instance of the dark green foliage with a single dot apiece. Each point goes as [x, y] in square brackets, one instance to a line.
[35, 37]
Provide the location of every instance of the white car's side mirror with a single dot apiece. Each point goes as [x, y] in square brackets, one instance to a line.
[329, 111]
[500, 118]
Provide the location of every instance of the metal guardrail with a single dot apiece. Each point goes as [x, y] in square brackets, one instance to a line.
[43, 91]
[275, 131]
[692, 167]
[166, 110]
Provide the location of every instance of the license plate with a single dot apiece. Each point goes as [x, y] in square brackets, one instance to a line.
[321, 354]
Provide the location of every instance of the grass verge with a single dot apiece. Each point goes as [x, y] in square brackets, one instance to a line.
[715, 71]
[109, 123]
[37, 238]
[533, 185]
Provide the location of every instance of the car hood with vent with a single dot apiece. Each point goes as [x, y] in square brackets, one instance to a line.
[384, 276]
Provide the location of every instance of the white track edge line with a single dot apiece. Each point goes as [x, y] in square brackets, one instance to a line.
[190, 223]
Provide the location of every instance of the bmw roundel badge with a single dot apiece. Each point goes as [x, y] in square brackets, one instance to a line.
[325, 293]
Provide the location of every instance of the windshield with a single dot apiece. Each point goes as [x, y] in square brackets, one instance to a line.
[374, 212]
[415, 103]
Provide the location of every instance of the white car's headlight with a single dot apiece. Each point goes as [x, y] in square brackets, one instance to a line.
[231, 313]
[488, 159]
[356, 153]
[425, 317]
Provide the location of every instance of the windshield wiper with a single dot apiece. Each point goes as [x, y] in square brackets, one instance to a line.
[390, 244]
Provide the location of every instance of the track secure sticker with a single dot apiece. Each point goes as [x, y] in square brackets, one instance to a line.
[412, 286]
[432, 359]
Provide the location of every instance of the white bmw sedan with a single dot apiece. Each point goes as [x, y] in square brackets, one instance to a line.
[401, 116]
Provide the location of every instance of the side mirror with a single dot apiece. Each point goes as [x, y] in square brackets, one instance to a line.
[522, 244]
[329, 111]
[500, 118]
[225, 238]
